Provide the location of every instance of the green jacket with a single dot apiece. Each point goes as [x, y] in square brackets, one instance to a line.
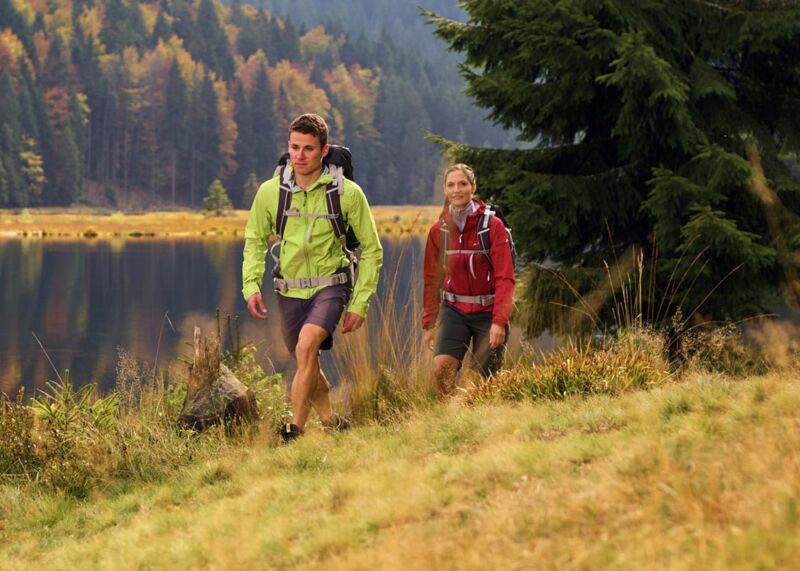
[310, 248]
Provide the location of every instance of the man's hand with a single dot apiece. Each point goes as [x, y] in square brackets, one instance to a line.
[428, 337]
[256, 307]
[497, 334]
[352, 321]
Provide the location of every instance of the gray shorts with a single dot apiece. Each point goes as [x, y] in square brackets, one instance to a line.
[455, 330]
[324, 308]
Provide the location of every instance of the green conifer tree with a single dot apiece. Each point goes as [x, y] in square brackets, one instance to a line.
[250, 189]
[264, 126]
[648, 118]
[217, 201]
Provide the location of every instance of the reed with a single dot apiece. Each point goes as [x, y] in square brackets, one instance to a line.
[385, 367]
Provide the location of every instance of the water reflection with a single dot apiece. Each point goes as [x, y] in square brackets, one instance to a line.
[86, 299]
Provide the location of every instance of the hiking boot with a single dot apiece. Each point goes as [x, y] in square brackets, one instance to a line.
[336, 422]
[289, 433]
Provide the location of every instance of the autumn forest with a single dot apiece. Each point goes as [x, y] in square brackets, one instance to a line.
[143, 104]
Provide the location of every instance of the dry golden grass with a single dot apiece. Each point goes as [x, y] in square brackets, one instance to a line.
[76, 223]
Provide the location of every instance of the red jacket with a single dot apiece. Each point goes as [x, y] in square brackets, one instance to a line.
[496, 278]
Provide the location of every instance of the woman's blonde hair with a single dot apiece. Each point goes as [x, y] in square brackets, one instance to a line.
[466, 169]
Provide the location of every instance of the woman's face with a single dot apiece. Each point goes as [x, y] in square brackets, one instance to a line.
[458, 189]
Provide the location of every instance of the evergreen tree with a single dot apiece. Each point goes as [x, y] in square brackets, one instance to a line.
[250, 189]
[175, 130]
[161, 29]
[264, 126]
[123, 26]
[245, 149]
[56, 70]
[206, 160]
[12, 19]
[3, 186]
[648, 118]
[213, 47]
[216, 201]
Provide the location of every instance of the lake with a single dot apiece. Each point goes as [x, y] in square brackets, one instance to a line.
[87, 300]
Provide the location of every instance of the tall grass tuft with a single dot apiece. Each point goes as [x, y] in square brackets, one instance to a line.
[385, 366]
[629, 362]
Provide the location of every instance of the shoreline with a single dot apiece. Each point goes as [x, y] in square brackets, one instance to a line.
[49, 223]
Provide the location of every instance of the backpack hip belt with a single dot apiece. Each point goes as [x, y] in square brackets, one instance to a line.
[282, 285]
[484, 300]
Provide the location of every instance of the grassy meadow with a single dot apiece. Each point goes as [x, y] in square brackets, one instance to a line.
[698, 474]
[93, 223]
[587, 458]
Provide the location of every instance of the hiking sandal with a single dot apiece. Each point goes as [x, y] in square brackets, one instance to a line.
[336, 422]
[289, 433]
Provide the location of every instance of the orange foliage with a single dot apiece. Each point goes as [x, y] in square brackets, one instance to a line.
[42, 45]
[248, 71]
[296, 93]
[149, 15]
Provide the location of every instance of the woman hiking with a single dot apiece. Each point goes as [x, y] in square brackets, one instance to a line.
[468, 283]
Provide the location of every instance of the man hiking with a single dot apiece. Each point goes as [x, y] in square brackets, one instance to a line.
[314, 274]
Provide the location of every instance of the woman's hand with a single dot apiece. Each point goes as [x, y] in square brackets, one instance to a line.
[497, 334]
[428, 337]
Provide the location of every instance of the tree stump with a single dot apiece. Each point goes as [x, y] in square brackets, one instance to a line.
[214, 394]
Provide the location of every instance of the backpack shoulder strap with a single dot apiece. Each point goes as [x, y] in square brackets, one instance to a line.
[444, 242]
[484, 228]
[284, 201]
[333, 201]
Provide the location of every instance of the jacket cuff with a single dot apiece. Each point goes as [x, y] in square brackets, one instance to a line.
[358, 309]
[249, 289]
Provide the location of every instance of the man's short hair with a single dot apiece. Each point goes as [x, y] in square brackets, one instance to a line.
[311, 124]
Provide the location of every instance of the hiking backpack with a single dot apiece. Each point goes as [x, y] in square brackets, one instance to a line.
[484, 240]
[339, 161]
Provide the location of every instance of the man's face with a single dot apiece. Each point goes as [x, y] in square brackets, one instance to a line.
[305, 153]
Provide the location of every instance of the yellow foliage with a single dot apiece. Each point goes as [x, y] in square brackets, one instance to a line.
[91, 21]
[186, 65]
[315, 43]
[149, 15]
[356, 87]
[26, 8]
[300, 94]
[11, 49]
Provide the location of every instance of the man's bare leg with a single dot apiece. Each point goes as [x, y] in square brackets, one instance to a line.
[306, 384]
[445, 368]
